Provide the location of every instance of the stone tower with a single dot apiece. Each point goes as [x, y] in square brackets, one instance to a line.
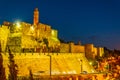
[36, 16]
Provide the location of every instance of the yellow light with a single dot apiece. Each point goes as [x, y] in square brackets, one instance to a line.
[69, 72]
[53, 33]
[64, 72]
[74, 72]
[93, 71]
[18, 24]
[90, 63]
[32, 28]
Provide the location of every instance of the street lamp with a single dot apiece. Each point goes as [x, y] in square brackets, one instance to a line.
[90, 63]
[50, 64]
[80, 64]
[98, 66]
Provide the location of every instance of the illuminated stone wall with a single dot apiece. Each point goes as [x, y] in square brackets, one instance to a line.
[14, 44]
[72, 48]
[76, 48]
[89, 50]
[53, 39]
[23, 35]
[42, 30]
[64, 47]
[100, 51]
[4, 32]
[62, 63]
[33, 36]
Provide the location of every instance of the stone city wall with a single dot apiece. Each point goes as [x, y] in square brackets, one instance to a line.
[4, 32]
[64, 47]
[78, 49]
[61, 63]
[89, 49]
[72, 48]
[100, 51]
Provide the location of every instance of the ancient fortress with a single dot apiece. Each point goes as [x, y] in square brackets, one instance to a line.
[31, 43]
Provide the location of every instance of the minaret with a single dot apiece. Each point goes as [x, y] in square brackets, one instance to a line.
[36, 16]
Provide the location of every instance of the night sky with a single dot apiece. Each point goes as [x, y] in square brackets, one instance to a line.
[88, 21]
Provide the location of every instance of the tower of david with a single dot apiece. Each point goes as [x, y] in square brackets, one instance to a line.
[36, 45]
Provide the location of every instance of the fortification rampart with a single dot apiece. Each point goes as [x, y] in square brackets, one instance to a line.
[89, 49]
[61, 63]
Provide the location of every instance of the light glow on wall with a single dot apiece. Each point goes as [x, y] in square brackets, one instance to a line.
[32, 28]
[17, 23]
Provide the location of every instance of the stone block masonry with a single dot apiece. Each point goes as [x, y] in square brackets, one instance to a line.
[39, 63]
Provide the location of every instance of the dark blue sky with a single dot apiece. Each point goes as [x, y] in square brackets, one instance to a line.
[88, 21]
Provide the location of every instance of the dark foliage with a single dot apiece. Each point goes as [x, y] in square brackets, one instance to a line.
[2, 69]
[12, 67]
[31, 75]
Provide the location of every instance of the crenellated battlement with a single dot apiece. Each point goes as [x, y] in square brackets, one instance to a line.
[35, 55]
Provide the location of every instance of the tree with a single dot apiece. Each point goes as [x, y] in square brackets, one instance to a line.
[30, 74]
[2, 69]
[62, 41]
[45, 40]
[12, 67]
[107, 52]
